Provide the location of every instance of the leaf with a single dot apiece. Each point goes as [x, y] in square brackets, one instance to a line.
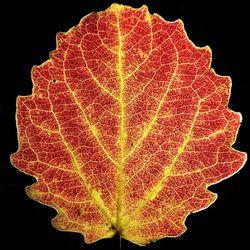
[126, 128]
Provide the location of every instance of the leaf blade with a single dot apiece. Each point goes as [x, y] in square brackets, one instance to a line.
[126, 128]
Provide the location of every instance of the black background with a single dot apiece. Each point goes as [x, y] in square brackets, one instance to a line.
[28, 33]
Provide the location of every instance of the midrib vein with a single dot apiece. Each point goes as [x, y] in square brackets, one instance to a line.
[122, 131]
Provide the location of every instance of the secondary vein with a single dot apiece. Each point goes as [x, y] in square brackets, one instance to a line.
[153, 193]
[122, 130]
[96, 200]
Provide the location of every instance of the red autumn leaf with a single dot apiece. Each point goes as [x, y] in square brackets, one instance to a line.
[126, 128]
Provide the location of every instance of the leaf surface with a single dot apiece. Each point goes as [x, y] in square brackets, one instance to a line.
[126, 127]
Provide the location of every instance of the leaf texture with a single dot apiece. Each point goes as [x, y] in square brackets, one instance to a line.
[126, 127]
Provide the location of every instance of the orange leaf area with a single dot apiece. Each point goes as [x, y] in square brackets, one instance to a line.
[126, 128]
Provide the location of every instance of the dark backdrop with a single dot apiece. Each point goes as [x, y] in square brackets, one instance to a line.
[28, 33]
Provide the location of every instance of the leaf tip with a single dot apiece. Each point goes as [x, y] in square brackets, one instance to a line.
[116, 7]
